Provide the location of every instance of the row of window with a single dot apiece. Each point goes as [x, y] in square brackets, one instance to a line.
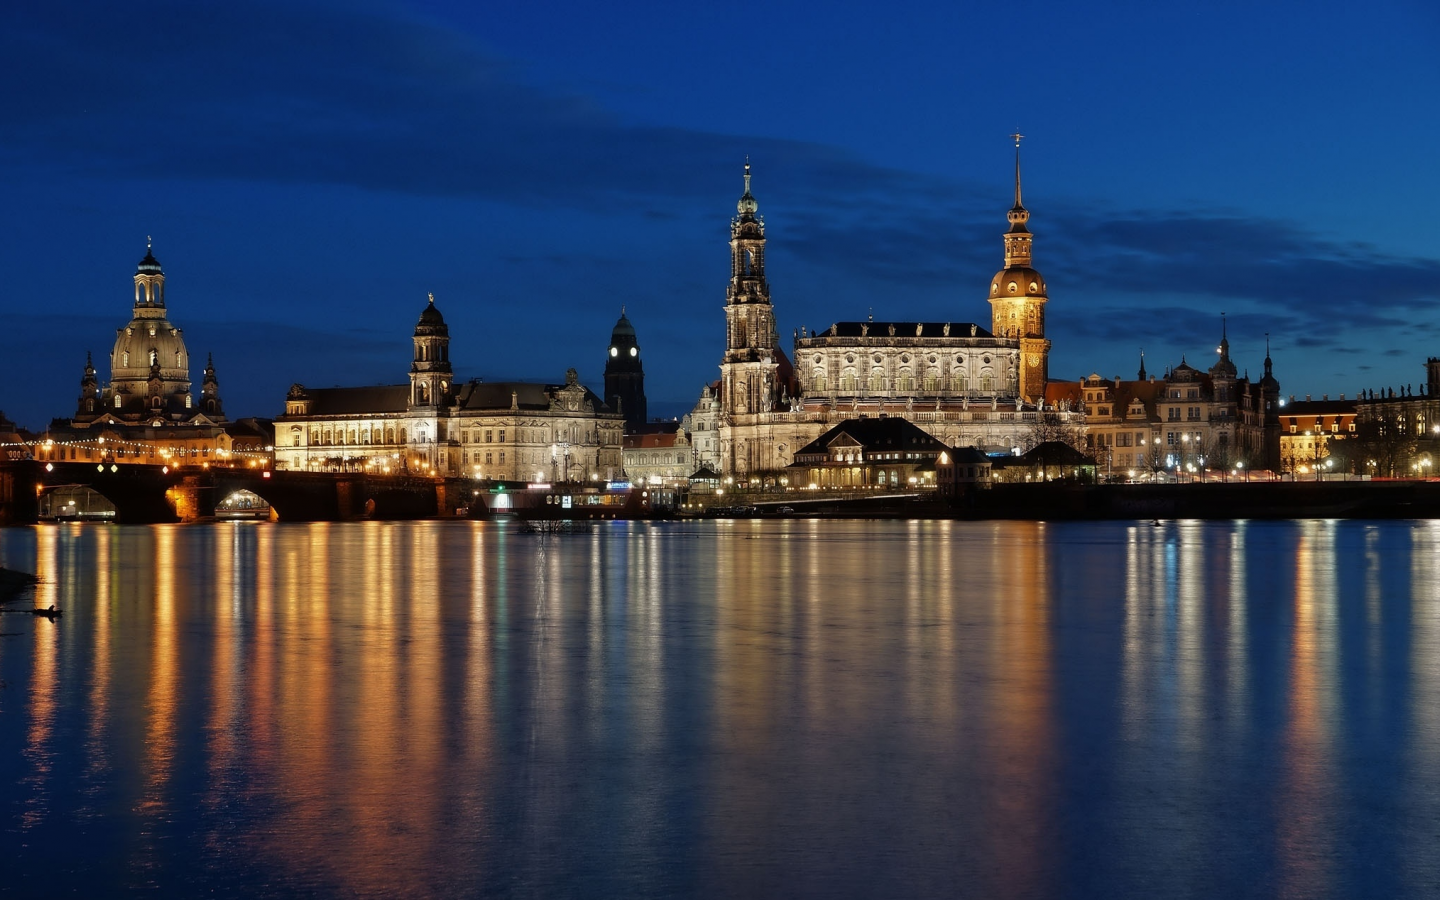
[850, 381]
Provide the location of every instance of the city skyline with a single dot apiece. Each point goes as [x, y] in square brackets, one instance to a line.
[306, 196]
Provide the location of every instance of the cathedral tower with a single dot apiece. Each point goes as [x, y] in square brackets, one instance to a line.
[749, 370]
[1017, 299]
[430, 374]
[624, 375]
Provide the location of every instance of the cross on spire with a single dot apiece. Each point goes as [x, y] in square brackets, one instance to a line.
[432, 298]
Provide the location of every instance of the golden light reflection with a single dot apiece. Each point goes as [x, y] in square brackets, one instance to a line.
[40, 754]
[1307, 816]
[164, 680]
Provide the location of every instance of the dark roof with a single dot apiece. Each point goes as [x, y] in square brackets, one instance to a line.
[350, 401]
[528, 395]
[705, 473]
[1049, 453]
[904, 329]
[889, 433]
[1318, 408]
[968, 456]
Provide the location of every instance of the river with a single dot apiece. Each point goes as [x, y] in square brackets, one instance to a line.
[724, 709]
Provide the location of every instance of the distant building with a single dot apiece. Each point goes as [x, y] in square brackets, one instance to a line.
[146, 411]
[625, 375]
[888, 453]
[1188, 418]
[962, 383]
[1398, 429]
[511, 431]
[959, 470]
[659, 457]
[1310, 430]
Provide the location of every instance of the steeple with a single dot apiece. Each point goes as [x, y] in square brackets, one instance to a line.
[749, 368]
[430, 372]
[1017, 241]
[1224, 368]
[210, 390]
[149, 285]
[1141, 376]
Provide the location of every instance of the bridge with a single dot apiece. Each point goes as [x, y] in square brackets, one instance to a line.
[145, 494]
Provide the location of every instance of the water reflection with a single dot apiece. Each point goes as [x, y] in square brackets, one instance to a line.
[733, 708]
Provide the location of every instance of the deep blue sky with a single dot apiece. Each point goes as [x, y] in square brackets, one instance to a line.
[311, 169]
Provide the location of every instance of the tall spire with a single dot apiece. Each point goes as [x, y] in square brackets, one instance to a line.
[747, 205]
[1018, 138]
[1141, 376]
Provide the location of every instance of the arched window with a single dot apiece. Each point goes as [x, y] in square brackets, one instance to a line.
[932, 381]
[987, 380]
[817, 380]
[117, 401]
[877, 379]
[401, 434]
[907, 380]
[848, 381]
[154, 358]
[962, 381]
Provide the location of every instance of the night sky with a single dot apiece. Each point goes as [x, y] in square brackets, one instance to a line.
[311, 170]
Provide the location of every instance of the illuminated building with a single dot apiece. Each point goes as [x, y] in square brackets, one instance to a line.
[1398, 429]
[511, 431]
[146, 412]
[625, 375]
[964, 384]
[1309, 428]
[660, 457]
[888, 453]
[1187, 422]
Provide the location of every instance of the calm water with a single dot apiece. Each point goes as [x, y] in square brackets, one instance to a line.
[811, 709]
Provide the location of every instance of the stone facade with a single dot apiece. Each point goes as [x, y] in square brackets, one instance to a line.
[963, 384]
[505, 431]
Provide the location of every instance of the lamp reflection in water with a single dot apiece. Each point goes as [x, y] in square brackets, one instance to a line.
[1307, 815]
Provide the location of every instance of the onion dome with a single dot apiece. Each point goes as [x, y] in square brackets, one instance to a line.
[431, 322]
[149, 265]
[1017, 281]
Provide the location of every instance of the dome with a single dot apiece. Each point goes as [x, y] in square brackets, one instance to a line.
[430, 319]
[149, 265]
[623, 328]
[747, 205]
[1027, 283]
[135, 343]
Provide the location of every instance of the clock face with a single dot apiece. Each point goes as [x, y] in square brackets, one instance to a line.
[614, 351]
[634, 351]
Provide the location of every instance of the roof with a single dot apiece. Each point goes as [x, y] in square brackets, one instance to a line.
[891, 432]
[350, 401]
[1057, 392]
[902, 329]
[529, 395]
[968, 456]
[1049, 453]
[1318, 408]
[650, 441]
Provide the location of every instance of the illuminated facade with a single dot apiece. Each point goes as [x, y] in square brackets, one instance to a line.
[962, 383]
[510, 431]
[1309, 429]
[1188, 419]
[146, 412]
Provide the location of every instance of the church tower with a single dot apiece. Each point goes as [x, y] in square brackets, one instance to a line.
[430, 374]
[624, 375]
[89, 390]
[1017, 299]
[210, 391]
[749, 370]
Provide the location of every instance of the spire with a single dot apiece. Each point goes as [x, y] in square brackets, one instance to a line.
[1142, 376]
[747, 205]
[1018, 138]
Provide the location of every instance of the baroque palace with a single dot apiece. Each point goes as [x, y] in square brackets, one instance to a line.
[510, 431]
[962, 383]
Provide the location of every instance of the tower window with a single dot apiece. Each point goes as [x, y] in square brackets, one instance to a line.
[614, 351]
